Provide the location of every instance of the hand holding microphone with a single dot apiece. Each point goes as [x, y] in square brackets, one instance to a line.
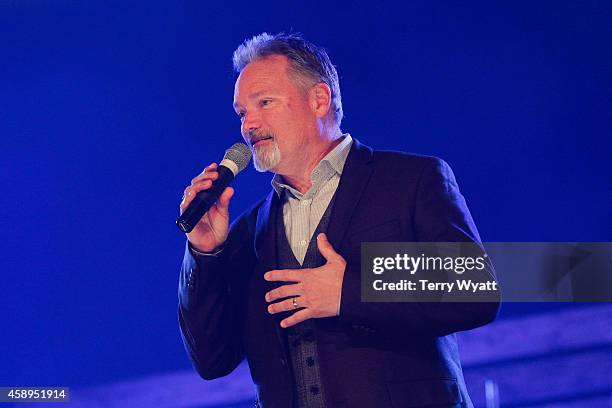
[204, 209]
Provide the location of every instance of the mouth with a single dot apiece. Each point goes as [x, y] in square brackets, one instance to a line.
[258, 140]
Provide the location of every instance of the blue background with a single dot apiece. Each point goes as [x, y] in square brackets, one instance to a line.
[108, 109]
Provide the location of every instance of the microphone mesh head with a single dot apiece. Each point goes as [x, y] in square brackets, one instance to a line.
[240, 154]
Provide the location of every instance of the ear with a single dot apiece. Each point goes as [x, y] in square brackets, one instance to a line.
[320, 99]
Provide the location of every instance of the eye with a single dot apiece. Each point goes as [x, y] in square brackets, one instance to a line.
[265, 102]
[240, 114]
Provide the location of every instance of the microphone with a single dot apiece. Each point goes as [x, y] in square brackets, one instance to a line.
[236, 158]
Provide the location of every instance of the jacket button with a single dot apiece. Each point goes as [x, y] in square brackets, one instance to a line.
[314, 390]
[283, 362]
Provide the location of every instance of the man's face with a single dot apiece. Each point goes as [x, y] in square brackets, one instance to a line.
[277, 119]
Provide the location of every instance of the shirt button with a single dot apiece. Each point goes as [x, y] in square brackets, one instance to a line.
[303, 242]
[305, 203]
[310, 361]
[314, 389]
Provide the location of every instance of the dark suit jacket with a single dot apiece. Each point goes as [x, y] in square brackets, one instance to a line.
[372, 354]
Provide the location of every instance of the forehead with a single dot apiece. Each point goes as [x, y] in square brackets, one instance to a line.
[266, 74]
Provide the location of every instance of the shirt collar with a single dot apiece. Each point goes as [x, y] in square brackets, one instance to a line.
[332, 163]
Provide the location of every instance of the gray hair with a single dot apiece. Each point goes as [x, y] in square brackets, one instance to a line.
[309, 63]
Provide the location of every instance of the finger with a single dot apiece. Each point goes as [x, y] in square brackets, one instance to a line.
[211, 167]
[285, 306]
[199, 186]
[285, 275]
[208, 175]
[191, 191]
[326, 248]
[224, 199]
[187, 198]
[296, 318]
[194, 189]
[284, 291]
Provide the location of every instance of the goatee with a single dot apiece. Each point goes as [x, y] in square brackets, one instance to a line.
[266, 156]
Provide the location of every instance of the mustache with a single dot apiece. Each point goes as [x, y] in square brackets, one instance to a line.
[257, 135]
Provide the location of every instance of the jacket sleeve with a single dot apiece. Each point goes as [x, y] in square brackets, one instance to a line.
[211, 303]
[440, 214]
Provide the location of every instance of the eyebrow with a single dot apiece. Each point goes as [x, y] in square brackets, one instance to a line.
[252, 96]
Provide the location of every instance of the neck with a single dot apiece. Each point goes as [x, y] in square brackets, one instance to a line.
[301, 180]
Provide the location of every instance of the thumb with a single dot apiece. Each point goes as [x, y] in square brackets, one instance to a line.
[326, 248]
[224, 199]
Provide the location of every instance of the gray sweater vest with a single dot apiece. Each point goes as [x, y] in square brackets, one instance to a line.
[301, 338]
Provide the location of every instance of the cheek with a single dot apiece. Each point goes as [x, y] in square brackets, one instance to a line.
[243, 131]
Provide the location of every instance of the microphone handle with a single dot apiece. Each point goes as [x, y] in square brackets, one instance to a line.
[204, 200]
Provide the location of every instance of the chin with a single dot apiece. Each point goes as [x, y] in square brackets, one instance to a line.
[266, 158]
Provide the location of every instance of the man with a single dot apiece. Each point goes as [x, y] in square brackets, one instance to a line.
[281, 287]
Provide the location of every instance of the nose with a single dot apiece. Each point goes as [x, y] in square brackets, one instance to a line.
[250, 122]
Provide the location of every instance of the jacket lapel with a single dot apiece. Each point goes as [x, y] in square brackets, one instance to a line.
[265, 251]
[355, 176]
[265, 229]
